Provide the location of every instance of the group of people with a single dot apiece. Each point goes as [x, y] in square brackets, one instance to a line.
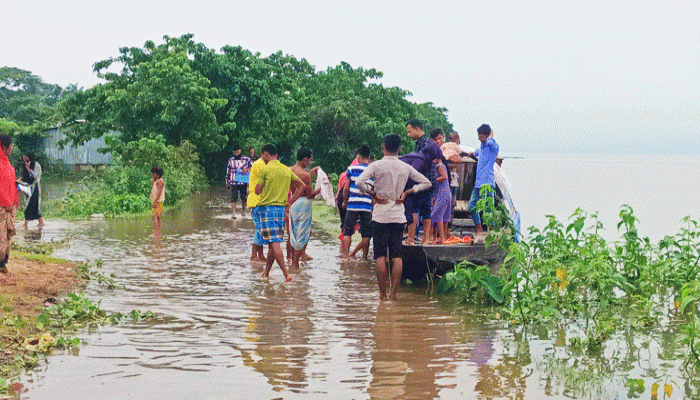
[383, 199]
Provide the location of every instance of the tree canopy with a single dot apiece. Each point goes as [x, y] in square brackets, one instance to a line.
[182, 90]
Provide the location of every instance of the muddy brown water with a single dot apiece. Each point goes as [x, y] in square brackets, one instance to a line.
[223, 332]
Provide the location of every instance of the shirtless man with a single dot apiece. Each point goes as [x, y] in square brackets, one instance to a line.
[300, 212]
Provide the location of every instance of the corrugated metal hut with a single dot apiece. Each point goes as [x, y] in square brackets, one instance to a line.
[85, 156]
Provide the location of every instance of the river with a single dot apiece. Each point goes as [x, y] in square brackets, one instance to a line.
[223, 332]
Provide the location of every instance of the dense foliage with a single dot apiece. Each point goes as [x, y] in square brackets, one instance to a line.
[570, 274]
[124, 187]
[26, 108]
[182, 90]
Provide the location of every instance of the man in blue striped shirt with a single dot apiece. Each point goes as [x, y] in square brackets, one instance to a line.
[358, 204]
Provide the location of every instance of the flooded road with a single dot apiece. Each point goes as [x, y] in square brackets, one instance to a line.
[223, 332]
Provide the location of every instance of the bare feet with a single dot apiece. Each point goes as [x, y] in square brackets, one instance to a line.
[288, 278]
[306, 257]
[264, 275]
[407, 243]
[383, 297]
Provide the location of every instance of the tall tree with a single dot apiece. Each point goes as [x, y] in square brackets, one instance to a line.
[156, 93]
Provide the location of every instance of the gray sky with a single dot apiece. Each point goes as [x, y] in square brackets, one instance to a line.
[556, 76]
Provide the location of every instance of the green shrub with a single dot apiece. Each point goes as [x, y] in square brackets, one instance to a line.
[125, 187]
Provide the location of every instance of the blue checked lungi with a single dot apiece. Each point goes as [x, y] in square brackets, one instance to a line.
[271, 223]
[255, 215]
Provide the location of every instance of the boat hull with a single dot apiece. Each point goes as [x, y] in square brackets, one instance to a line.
[419, 261]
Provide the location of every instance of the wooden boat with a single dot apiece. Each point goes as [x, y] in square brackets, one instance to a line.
[419, 261]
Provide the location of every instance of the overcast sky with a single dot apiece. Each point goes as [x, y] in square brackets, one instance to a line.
[556, 76]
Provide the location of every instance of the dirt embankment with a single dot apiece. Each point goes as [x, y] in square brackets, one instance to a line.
[30, 282]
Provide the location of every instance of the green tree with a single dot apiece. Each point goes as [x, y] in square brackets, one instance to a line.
[182, 90]
[156, 93]
[25, 98]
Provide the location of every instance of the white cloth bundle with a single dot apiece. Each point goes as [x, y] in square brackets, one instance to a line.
[324, 183]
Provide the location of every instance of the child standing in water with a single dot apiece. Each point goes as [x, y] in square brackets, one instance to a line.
[157, 196]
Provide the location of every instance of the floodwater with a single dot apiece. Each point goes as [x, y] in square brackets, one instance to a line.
[223, 332]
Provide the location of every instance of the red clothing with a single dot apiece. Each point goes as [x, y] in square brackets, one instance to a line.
[343, 177]
[8, 184]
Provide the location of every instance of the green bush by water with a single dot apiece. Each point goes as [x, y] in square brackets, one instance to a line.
[570, 273]
[125, 187]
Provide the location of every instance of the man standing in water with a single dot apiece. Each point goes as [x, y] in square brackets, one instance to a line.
[273, 186]
[9, 200]
[358, 205]
[389, 176]
[238, 167]
[488, 152]
[256, 253]
[300, 213]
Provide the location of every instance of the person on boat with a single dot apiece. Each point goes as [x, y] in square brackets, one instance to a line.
[451, 149]
[441, 214]
[486, 157]
[418, 161]
[357, 204]
[384, 181]
[31, 176]
[237, 179]
[256, 252]
[9, 200]
[273, 186]
[421, 203]
[300, 213]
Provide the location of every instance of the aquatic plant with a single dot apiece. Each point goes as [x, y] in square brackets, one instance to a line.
[570, 273]
[467, 280]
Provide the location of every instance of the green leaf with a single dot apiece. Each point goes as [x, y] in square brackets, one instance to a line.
[493, 285]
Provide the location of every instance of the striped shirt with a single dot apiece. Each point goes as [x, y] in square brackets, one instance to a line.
[357, 201]
[235, 166]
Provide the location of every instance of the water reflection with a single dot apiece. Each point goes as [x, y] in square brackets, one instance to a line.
[278, 332]
[413, 347]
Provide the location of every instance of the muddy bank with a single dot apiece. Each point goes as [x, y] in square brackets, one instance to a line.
[32, 279]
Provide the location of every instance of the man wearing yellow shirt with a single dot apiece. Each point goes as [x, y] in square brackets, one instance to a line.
[274, 182]
[252, 203]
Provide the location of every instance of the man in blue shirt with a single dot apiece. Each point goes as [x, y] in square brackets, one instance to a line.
[488, 152]
[358, 205]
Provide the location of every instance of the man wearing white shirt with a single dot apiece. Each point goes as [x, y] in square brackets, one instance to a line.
[389, 176]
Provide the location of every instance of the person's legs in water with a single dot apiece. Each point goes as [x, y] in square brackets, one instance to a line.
[275, 254]
[395, 232]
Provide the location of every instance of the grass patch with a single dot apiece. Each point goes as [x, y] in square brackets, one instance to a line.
[326, 218]
[39, 257]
